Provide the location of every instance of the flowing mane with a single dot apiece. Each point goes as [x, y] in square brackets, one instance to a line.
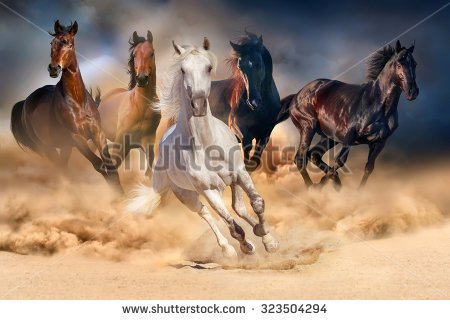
[237, 83]
[170, 100]
[131, 68]
[378, 60]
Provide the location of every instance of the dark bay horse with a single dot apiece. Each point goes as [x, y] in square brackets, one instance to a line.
[352, 114]
[128, 118]
[248, 101]
[64, 115]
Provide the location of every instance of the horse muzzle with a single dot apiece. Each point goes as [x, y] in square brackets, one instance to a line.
[142, 80]
[412, 93]
[199, 107]
[54, 71]
[254, 104]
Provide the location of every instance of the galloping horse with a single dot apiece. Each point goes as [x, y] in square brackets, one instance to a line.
[182, 164]
[127, 115]
[248, 101]
[64, 115]
[352, 114]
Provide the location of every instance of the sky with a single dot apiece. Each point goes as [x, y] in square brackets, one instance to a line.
[307, 40]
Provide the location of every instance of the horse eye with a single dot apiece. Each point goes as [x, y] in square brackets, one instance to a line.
[152, 54]
[209, 69]
[182, 71]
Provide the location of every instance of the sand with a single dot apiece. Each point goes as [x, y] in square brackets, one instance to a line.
[413, 266]
[67, 237]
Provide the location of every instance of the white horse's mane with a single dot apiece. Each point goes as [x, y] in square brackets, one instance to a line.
[170, 103]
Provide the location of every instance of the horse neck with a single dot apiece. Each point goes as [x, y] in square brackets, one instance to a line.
[269, 91]
[390, 90]
[72, 82]
[144, 96]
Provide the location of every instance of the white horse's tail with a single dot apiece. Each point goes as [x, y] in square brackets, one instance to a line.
[143, 200]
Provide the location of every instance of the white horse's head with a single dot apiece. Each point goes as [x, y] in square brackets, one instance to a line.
[196, 66]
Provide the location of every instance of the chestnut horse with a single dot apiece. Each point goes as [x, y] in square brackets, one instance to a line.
[64, 115]
[127, 116]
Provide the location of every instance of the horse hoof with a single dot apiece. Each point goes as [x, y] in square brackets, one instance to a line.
[259, 230]
[270, 243]
[337, 186]
[229, 252]
[315, 186]
[248, 247]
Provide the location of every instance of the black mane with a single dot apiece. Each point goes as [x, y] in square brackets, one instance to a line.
[378, 60]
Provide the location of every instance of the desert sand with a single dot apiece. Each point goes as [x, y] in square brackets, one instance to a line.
[67, 237]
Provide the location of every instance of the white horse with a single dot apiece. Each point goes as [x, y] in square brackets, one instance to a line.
[200, 156]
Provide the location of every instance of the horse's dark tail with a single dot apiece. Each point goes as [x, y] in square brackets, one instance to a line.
[97, 97]
[19, 132]
[285, 107]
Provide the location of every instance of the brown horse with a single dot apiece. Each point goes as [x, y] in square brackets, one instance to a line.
[127, 116]
[64, 115]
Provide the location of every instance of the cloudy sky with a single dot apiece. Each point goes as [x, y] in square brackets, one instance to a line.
[313, 40]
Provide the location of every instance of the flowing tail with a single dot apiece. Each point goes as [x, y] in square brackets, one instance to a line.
[143, 200]
[21, 135]
[285, 108]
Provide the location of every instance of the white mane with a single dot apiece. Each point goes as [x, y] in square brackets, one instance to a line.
[170, 103]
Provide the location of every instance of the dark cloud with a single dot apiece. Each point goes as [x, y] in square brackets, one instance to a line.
[307, 41]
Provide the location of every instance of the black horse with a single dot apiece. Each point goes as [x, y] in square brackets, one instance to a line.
[352, 114]
[248, 101]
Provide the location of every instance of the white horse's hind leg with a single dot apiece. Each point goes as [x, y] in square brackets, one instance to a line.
[214, 198]
[261, 229]
[191, 200]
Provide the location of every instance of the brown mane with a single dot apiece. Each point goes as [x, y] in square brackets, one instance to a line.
[237, 86]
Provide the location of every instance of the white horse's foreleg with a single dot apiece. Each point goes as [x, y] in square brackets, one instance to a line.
[227, 249]
[214, 198]
[191, 200]
[257, 202]
[238, 205]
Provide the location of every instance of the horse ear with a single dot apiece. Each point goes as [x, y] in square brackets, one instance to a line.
[149, 36]
[135, 37]
[57, 27]
[206, 44]
[236, 47]
[73, 28]
[249, 34]
[398, 46]
[178, 49]
[260, 42]
[411, 49]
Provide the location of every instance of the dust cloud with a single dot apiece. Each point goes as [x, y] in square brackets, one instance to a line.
[44, 212]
